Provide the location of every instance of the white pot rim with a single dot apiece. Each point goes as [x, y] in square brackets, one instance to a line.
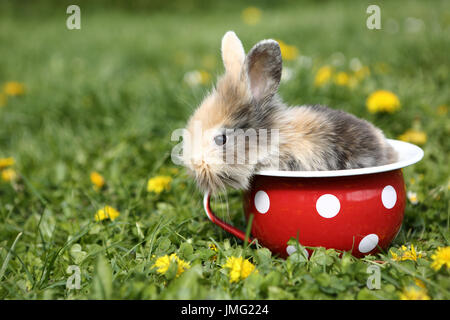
[408, 154]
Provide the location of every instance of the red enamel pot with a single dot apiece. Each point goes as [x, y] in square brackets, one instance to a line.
[358, 210]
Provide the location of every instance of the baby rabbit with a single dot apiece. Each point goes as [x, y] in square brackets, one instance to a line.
[244, 107]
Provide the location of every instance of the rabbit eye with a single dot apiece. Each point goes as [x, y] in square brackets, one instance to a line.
[220, 140]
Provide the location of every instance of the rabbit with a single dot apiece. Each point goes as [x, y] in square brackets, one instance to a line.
[244, 101]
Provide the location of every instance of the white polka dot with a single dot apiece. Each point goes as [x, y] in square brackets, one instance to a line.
[262, 201]
[291, 249]
[368, 243]
[328, 206]
[389, 197]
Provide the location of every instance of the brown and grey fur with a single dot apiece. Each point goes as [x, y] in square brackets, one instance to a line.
[310, 137]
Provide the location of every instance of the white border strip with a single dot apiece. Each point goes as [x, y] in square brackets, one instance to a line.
[408, 154]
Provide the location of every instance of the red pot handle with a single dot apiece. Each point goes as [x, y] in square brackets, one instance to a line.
[225, 226]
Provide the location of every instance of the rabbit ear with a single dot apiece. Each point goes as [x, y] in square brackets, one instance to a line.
[233, 54]
[264, 64]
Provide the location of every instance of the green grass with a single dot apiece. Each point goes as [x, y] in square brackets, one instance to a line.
[107, 98]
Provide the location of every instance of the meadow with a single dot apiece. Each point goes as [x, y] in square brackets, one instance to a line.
[86, 118]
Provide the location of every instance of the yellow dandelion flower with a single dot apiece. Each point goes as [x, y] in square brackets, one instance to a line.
[382, 101]
[288, 52]
[342, 79]
[412, 254]
[323, 76]
[205, 77]
[235, 265]
[213, 247]
[3, 99]
[159, 184]
[97, 180]
[419, 283]
[441, 110]
[362, 73]
[414, 293]
[247, 269]
[414, 136]
[14, 88]
[251, 15]
[6, 162]
[9, 175]
[240, 268]
[163, 263]
[394, 255]
[412, 197]
[105, 213]
[406, 254]
[441, 258]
